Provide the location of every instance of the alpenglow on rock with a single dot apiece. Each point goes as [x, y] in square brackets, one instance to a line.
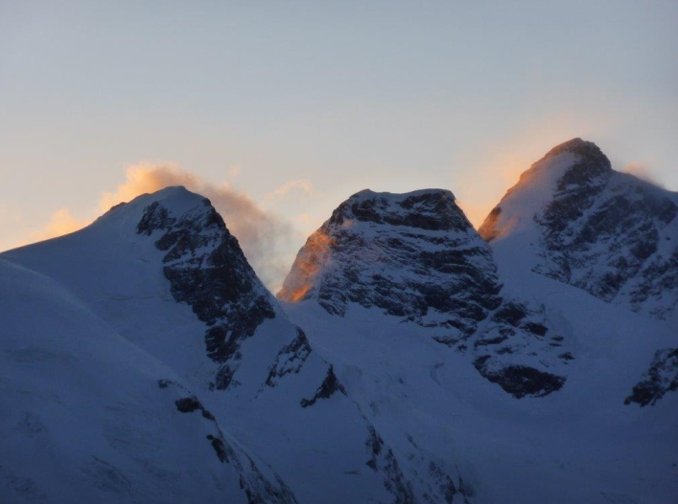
[580, 222]
[416, 257]
[412, 255]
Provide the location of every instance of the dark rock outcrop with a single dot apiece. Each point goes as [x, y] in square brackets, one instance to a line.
[207, 270]
[383, 460]
[327, 389]
[290, 360]
[658, 380]
[519, 381]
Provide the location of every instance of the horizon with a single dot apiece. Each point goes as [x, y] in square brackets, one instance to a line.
[282, 112]
[272, 249]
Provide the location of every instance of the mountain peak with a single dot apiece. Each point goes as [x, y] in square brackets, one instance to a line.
[431, 209]
[585, 224]
[581, 147]
[379, 249]
[573, 165]
[414, 258]
[176, 199]
[177, 234]
[576, 161]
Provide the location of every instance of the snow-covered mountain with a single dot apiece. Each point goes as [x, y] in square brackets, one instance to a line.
[419, 322]
[407, 360]
[166, 275]
[415, 257]
[573, 218]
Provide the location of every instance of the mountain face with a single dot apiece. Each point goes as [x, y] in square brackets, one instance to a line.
[586, 225]
[459, 351]
[207, 270]
[164, 272]
[415, 257]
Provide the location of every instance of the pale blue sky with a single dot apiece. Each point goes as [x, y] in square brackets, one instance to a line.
[343, 95]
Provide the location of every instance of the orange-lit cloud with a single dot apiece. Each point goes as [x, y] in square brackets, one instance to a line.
[264, 237]
[641, 171]
[303, 186]
[261, 235]
[60, 223]
[499, 167]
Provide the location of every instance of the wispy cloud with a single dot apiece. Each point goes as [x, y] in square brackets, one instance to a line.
[262, 235]
[643, 172]
[60, 223]
[266, 239]
[303, 186]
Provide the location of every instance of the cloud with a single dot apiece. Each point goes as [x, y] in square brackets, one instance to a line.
[264, 237]
[303, 186]
[496, 167]
[642, 172]
[60, 223]
[267, 240]
[234, 171]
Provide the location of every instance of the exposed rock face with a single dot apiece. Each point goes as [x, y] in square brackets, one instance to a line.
[290, 360]
[517, 380]
[659, 379]
[416, 257]
[600, 230]
[207, 270]
[413, 256]
[516, 349]
[328, 387]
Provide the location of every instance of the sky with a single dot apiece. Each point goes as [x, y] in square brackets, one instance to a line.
[280, 110]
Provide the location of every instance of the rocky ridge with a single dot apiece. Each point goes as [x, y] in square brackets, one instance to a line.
[416, 257]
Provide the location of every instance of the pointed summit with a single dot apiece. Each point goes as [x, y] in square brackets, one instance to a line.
[575, 219]
[171, 243]
[573, 164]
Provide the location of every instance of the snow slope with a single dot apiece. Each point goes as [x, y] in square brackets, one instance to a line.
[423, 391]
[88, 417]
[164, 272]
